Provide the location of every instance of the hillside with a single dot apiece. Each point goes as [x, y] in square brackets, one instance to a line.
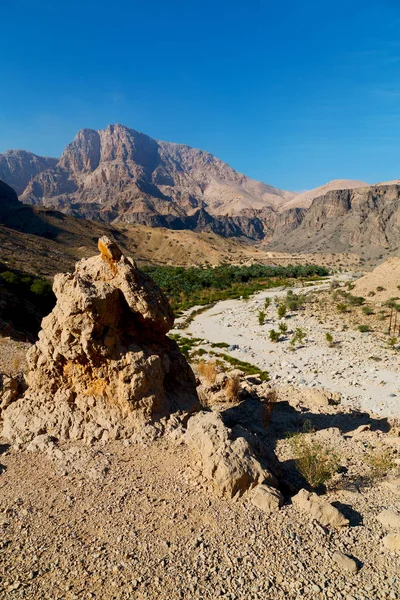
[363, 220]
[43, 241]
[305, 199]
[382, 283]
[118, 176]
[18, 167]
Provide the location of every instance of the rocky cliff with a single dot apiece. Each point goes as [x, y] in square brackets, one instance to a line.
[119, 174]
[363, 219]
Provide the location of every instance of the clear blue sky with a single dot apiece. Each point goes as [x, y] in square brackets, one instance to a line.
[293, 93]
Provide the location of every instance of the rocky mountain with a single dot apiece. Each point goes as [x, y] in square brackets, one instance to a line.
[119, 174]
[366, 220]
[18, 167]
[304, 199]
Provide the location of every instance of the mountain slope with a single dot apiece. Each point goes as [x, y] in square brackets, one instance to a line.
[119, 174]
[367, 220]
[18, 167]
[304, 200]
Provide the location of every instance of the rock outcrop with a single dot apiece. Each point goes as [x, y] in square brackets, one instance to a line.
[103, 365]
[227, 459]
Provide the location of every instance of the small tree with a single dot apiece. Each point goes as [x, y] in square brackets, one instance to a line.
[283, 327]
[281, 311]
[298, 337]
[274, 335]
[261, 317]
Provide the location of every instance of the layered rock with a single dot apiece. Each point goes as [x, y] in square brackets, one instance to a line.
[103, 364]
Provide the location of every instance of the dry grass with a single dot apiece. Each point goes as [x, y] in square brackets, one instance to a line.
[380, 462]
[208, 370]
[232, 389]
[316, 462]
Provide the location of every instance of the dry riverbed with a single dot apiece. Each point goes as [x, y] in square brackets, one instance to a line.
[359, 365]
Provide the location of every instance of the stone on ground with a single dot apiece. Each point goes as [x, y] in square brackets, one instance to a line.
[319, 509]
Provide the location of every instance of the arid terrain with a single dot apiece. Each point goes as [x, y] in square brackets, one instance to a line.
[116, 507]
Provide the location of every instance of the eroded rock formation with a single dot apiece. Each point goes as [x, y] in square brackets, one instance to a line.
[103, 364]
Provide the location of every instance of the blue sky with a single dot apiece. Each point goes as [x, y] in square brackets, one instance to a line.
[292, 93]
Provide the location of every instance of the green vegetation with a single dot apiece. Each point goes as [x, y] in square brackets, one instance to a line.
[197, 285]
[246, 367]
[267, 303]
[392, 341]
[219, 345]
[380, 288]
[26, 300]
[367, 310]
[316, 462]
[329, 338]
[281, 311]
[261, 317]
[380, 462]
[355, 300]
[274, 335]
[294, 301]
[298, 337]
[363, 328]
[283, 327]
[342, 307]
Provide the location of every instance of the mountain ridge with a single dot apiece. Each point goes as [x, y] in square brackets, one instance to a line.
[119, 175]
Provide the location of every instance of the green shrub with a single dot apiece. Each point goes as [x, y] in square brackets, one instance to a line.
[298, 337]
[261, 317]
[274, 335]
[363, 328]
[329, 338]
[380, 462]
[342, 307]
[355, 300]
[392, 341]
[316, 462]
[41, 287]
[282, 327]
[281, 311]
[380, 288]
[367, 310]
[267, 303]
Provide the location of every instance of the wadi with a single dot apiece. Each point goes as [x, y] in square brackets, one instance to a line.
[199, 379]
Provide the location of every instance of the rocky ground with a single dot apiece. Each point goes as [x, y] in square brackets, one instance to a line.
[152, 516]
[135, 522]
[360, 366]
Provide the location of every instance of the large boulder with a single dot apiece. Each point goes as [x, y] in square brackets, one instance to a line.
[227, 458]
[103, 364]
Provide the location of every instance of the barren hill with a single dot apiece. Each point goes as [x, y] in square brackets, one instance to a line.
[365, 220]
[383, 282]
[304, 199]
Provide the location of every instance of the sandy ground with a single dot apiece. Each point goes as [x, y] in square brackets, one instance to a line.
[350, 367]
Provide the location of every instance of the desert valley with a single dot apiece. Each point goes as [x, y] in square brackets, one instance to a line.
[200, 384]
